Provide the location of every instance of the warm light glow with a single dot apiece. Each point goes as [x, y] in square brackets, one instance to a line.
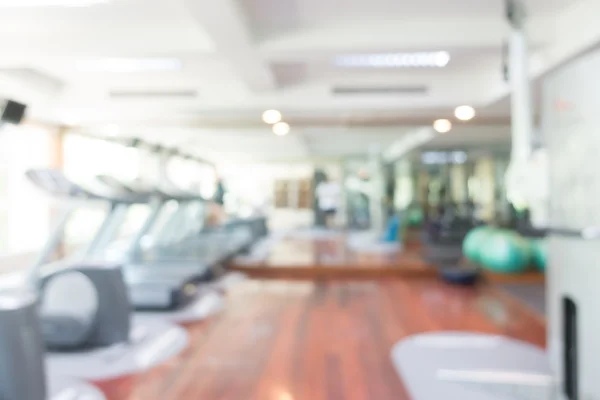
[442, 125]
[271, 117]
[284, 395]
[50, 3]
[464, 113]
[281, 129]
[124, 65]
[436, 59]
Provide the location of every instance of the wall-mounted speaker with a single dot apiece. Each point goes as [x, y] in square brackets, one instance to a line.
[12, 112]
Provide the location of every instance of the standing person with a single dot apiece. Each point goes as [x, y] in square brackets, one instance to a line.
[216, 211]
[328, 197]
[219, 196]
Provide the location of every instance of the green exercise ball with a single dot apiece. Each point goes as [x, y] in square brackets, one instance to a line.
[505, 252]
[415, 217]
[540, 253]
[473, 242]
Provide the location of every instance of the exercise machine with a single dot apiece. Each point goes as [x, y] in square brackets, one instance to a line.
[184, 234]
[171, 230]
[443, 237]
[101, 315]
[155, 285]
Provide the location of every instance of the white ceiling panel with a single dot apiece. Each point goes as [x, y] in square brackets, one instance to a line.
[242, 57]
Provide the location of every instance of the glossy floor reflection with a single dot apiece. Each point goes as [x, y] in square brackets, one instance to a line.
[317, 341]
[305, 257]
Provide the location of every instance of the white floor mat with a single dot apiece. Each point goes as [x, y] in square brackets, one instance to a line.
[314, 233]
[370, 242]
[153, 341]
[469, 366]
[61, 388]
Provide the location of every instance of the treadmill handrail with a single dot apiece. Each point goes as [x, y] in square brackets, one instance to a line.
[139, 188]
[57, 184]
[120, 188]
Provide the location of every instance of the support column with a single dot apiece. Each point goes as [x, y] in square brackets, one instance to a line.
[377, 190]
[521, 103]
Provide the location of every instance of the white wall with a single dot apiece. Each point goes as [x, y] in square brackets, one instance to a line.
[570, 124]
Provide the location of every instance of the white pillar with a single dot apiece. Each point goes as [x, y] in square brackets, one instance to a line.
[521, 103]
[377, 190]
[517, 178]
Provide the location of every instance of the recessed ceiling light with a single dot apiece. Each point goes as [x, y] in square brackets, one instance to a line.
[464, 113]
[281, 128]
[271, 117]
[125, 65]
[50, 3]
[442, 125]
[436, 59]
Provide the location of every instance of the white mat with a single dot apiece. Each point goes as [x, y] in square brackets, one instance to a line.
[61, 388]
[152, 342]
[314, 233]
[470, 366]
[370, 242]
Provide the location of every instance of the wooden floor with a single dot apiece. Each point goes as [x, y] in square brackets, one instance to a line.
[330, 257]
[320, 340]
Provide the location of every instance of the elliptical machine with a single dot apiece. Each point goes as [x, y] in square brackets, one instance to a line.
[22, 375]
[101, 316]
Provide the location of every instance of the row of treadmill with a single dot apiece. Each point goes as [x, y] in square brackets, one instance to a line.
[86, 301]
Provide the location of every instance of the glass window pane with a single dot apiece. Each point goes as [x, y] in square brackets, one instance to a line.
[24, 213]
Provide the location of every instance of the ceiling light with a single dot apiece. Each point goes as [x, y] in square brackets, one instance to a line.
[50, 3]
[464, 113]
[130, 65]
[281, 128]
[271, 117]
[436, 59]
[442, 125]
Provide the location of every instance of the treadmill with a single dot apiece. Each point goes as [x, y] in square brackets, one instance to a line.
[152, 286]
[169, 236]
[237, 234]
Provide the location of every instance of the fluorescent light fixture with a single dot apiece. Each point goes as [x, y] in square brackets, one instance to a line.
[50, 3]
[464, 113]
[281, 128]
[125, 65]
[271, 117]
[436, 59]
[442, 125]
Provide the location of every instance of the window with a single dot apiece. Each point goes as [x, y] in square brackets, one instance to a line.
[193, 176]
[84, 158]
[25, 214]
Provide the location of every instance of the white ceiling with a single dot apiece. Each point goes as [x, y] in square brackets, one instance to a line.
[241, 57]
